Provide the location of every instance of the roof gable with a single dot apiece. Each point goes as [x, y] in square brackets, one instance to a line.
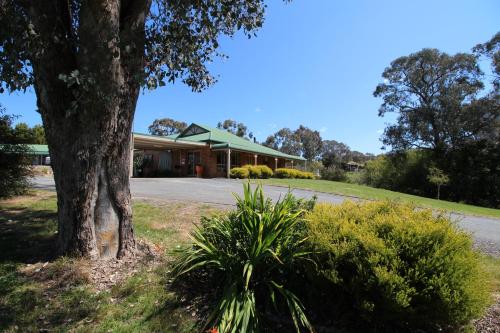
[193, 129]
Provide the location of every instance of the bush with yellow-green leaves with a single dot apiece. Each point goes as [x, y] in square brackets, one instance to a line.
[251, 171]
[395, 268]
[292, 173]
[239, 173]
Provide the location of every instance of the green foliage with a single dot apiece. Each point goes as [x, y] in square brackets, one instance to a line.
[292, 173]
[252, 171]
[265, 171]
[425, 110]
[395, 268]
[303, 141]
[437, 177]
[240, 173]
[442, 106]
[236, 128]
[250, 254]
[15, 162]
[405, 172]
[166, 126]
[333, 172]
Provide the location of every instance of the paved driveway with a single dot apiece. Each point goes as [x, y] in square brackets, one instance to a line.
[485, 230]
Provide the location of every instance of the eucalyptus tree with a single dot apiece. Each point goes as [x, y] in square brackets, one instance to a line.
[236, 128]
[166, 126]
[430, 92]
[87, 62]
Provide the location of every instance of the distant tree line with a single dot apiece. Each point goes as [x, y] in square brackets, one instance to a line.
[21, 133]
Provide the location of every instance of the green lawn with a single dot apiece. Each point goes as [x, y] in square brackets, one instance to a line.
[41, 293]
[371, 193]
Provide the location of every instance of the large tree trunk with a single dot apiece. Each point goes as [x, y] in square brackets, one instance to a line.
[87, 96]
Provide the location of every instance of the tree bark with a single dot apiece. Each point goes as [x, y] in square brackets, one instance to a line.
[88, 117]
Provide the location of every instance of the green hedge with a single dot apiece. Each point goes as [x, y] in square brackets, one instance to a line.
[239, 173]
[292, 173]
[252, 171]
[394, 268]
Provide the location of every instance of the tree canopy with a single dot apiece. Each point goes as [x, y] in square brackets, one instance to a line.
[87, 62]
[237, 128]
[181, 37]
[166, 126]
[435, 97]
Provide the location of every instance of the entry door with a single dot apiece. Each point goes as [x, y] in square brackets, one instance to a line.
[193, 158]
[165, 161]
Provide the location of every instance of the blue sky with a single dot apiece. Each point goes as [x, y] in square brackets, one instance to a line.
[316, 63]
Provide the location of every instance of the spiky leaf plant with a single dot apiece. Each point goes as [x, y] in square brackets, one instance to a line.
[252, 252]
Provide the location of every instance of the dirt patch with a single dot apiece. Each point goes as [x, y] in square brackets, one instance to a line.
[490, 322]
[100, 274]
[105, 274]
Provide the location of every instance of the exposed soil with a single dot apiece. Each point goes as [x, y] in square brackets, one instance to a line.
[490, 322]
[101, 275]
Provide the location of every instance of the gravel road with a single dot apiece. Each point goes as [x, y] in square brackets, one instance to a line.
[485, 230]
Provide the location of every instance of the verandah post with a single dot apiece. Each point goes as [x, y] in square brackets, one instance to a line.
[229, 163]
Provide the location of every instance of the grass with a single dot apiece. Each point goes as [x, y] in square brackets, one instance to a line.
[371, 193]
[42, 293]
[491, 266]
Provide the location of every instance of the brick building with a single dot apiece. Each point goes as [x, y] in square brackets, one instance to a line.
[201, 151]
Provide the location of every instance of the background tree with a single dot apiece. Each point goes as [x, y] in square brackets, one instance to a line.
[311, 142]
[87, 61]
[428, 90]
[303, 141]
[491, 49]
[38, 135]
[446, 119]
[335, 153]
[14, 160]
[166, 126]
[438, 178]
[285, 141]
[29, 135]
[235, 127]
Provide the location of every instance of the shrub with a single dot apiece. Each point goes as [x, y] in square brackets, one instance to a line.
[239, 173]
[254, 171]
[292, 173]
[265, 171]
[333, 172]
[250, 255]
[15, 162]
[396, 268]
[15, 170]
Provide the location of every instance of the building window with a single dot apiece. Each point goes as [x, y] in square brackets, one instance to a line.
[235, 159]
[221, 161]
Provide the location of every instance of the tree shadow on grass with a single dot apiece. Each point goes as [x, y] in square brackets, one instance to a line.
[27, 235]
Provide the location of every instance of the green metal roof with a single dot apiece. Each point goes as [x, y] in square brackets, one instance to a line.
[37, 149]
[220, 139]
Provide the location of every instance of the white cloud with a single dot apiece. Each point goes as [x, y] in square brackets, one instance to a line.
[323, 129]
[380, 131]
[258, 109]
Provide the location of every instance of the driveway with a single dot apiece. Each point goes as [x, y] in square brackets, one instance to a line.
[486, 230]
